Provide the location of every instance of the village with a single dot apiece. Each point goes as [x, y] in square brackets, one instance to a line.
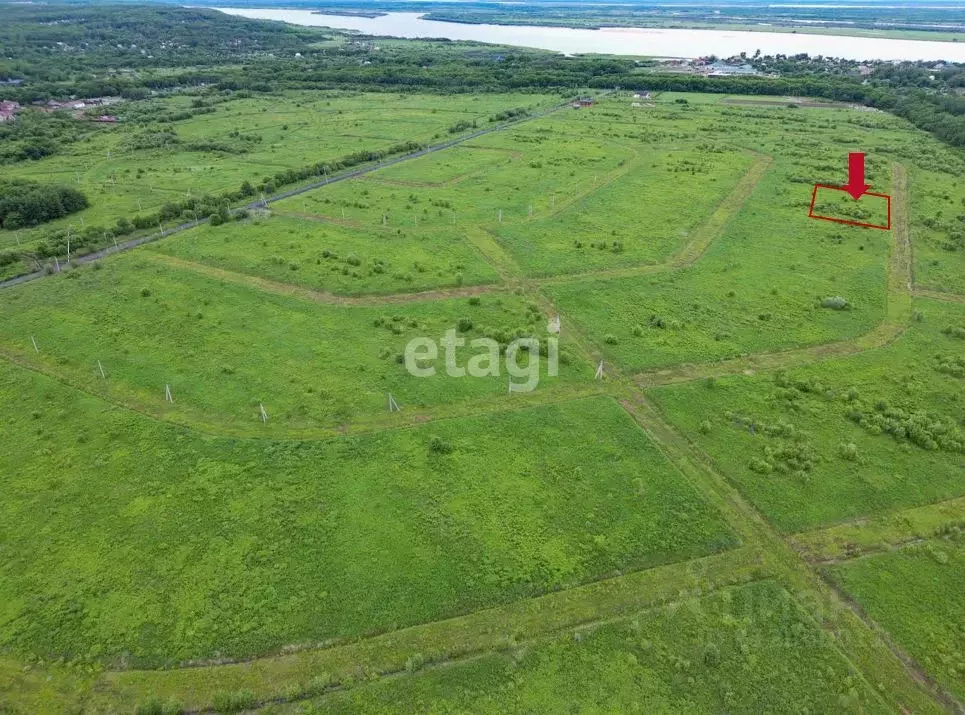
[82, 109]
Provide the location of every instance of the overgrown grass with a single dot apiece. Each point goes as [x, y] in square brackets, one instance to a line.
[748, 649]
[133, 542]
[916, 593]
[806, 446]
[333, 258]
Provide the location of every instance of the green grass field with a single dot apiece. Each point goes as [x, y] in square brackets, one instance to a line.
[123, 175]
[335, 258]
[226, 348]
[776, 395]
[749, 649]
[807, 446]
[916, 593]
[234, 547]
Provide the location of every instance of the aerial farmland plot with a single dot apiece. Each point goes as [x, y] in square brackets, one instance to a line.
[585, 412]
[207, 146]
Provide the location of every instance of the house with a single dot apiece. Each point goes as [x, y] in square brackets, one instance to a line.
[583, 102]
[722, 69]
[106, 119]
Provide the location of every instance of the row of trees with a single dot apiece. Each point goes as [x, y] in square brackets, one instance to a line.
[24, 203]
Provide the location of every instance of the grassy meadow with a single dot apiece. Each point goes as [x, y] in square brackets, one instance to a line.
[748, 649]
[609, 545]
[335, 258]
[916, 593]
[133, 542]
[226, 348]
[759, 287]
[136, 165]
[841, 438]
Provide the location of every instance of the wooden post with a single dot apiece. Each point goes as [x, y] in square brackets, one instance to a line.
[36, 349]
[167, 394]
[101, 368]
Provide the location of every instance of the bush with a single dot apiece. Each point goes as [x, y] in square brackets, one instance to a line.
[215, 219]
[610, 339]
[835, 303]
[465, 325]
[437, 445]
[145, 292]
[848, 451]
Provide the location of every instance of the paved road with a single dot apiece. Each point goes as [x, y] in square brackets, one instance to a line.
[335, 178]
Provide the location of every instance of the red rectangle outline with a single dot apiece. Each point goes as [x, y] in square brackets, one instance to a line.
[814, 196]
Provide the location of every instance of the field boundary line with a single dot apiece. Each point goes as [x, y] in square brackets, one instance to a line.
[452, 640]
[409, 418]
[703, 238]
[292, 290]
[877, 533]
[920, 292]
[894, 324]
[344, 176]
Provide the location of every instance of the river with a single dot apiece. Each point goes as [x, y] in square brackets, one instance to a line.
[626, 41]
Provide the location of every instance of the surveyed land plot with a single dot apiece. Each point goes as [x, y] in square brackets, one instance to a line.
[642, 215]
[916, 594]
[760, 286]
[844, 438]
[751, 646]
[124, 549]
[227, 348]
[533, 176]
[331, 257]
[136, 166]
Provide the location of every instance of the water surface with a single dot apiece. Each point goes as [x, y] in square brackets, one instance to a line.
[626, 41]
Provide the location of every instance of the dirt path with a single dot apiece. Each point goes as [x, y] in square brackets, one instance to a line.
[896, 321]
[709, 231]
[316, 296]
[938, 295]
[348, 175]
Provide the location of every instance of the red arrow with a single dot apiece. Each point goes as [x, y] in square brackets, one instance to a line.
[856, 186]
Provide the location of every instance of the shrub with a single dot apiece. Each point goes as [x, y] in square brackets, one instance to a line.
[835, 303]
[474, 300]
[465, 325]
[353, 260]
[145, 292]
[610, 339]
[437, 445]
[848, 451]
[215, 219]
